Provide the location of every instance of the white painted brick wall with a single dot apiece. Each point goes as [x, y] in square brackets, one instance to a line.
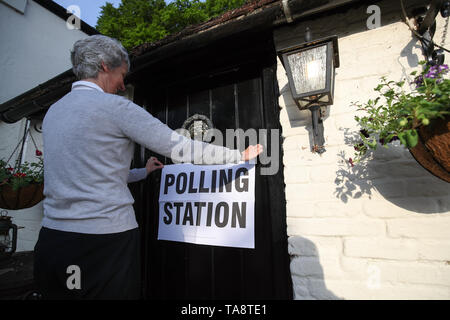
[381, 231]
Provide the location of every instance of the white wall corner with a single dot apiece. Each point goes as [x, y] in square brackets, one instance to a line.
[17, 5]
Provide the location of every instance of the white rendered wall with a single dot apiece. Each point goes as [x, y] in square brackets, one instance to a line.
[34, 47]
[370, 232]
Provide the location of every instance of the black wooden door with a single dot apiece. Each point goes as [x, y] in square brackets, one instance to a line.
[239, 96]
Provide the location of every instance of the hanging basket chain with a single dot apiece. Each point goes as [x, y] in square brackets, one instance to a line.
[32, 139]
[21, 143]
[420, 37]
[444, 33]
[19, 158]
[15, 149]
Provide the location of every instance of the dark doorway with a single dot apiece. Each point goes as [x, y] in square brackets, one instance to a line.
[232, 83]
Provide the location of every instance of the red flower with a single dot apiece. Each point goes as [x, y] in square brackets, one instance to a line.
[38, 153]
[11, 169]
[351, 161]
[19, 175]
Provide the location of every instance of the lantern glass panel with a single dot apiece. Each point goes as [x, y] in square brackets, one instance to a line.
[309, 69]
[302, 103]
[325, 99]
[4, 241]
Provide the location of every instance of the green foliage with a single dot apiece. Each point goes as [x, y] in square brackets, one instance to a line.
[215, 8]
[139, 21]
[396, 114]
[22, 175]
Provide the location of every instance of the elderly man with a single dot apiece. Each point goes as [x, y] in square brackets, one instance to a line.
[88, 246]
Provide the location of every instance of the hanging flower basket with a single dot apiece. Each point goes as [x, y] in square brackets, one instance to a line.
[419, 119]
[25, 197]
[433, 148]
[21, 183]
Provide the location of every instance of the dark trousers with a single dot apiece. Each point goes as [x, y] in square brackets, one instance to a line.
[70, 265]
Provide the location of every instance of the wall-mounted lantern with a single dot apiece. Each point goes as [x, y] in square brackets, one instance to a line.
[8, 235]
[310, 68]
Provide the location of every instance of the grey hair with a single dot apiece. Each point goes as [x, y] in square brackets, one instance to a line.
[87, 55]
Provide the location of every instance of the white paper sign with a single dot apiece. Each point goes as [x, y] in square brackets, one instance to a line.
[211, 204]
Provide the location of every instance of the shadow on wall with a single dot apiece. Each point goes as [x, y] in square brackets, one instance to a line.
[307, 272]
[393, 173]
[408, 52]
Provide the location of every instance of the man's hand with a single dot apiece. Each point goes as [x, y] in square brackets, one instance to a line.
[153, 164]
[251, 152]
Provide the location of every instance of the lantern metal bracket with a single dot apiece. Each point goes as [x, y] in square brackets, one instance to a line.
[287, 11]
[318, 132]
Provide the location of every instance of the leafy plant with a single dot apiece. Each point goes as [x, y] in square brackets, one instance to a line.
[135, 22]
[396, 113]
[23, 174]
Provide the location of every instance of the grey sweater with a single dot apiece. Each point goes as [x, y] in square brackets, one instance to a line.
[89, 139]
[137, 174]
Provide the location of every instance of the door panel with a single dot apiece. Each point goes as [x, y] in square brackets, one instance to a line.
[174, 270]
